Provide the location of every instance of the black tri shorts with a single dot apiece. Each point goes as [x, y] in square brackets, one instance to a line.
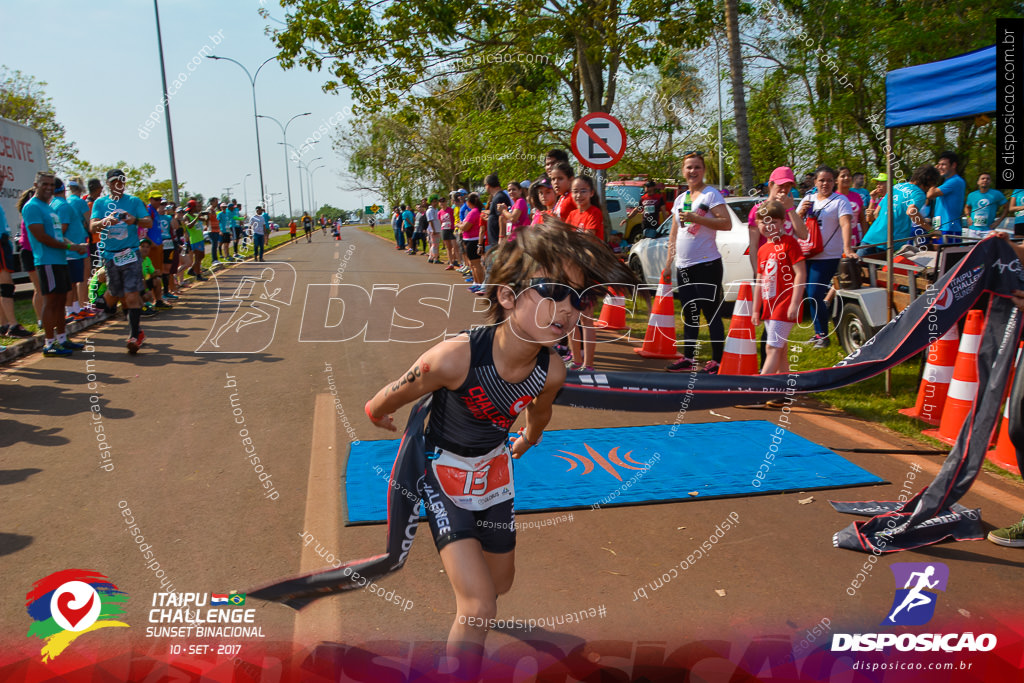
[494, 527]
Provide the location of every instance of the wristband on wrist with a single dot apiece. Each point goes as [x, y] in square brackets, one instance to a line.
[522, 433]
[369, 414]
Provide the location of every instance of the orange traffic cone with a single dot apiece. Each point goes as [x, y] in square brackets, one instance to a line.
[963, 388]
[613, 313]
[660, 339]
[938, 371]
[740, 357]
[1005, 453]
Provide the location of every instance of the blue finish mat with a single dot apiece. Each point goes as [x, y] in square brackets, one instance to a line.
[576, 468]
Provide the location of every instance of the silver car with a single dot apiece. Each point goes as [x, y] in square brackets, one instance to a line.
[647, 257]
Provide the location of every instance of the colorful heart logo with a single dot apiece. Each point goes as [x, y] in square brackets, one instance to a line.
[73, 615]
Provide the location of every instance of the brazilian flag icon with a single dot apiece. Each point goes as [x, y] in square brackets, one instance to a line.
[237, 599]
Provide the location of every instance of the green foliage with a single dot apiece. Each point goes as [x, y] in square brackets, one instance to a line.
[23, 100]
[138, 179]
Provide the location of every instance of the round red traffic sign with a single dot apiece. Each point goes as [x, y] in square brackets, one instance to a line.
[598, 140]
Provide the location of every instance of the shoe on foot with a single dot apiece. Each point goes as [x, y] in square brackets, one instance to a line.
[819, 341]
[1011, 536]
[74, 346]
[172, 297]
[450, 267]
[135, 342]
[684, 364]
[56, 349]
[163, 304]
[18, 331]
[711, 367]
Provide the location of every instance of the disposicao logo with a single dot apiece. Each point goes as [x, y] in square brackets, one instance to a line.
[917, 586]
[914, 603]
[69, 603]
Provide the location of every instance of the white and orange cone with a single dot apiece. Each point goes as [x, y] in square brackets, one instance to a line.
[963, 388]
[938, 372]
[660, 338]
[740, 357]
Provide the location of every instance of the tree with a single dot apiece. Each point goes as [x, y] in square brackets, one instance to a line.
[732, 31]
[23, 100]
[413, 53]
[138, 179]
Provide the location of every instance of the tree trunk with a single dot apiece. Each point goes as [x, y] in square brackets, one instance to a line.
[732, 31]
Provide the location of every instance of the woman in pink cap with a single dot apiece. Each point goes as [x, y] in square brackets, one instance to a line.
[780, 188]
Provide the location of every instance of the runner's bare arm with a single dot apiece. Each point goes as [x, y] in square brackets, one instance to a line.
[538, 412]
[444, 365]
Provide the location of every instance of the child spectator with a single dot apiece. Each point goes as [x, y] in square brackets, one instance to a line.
[779, 291]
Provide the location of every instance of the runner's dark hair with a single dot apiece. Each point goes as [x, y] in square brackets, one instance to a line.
[557, 155]
[926, 176]
[474, 201]
[555, 248]
[566, 168]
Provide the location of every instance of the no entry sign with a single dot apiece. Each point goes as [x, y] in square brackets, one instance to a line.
[598, 140]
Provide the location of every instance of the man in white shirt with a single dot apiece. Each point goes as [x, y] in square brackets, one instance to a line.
[258, 225]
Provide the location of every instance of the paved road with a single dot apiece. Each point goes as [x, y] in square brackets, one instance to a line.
[172, 418]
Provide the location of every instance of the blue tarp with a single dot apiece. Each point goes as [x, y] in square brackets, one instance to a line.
[576, 468]
[954, 88]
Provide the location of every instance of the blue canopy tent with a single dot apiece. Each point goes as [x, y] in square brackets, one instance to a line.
[956, 88]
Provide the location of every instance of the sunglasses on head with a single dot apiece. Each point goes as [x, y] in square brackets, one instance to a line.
[558, 291]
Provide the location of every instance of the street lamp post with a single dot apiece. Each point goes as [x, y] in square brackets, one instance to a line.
[309, 179]
[311, 188]
[255, 113]
[245, 195]
[287, 173]
[302, 196]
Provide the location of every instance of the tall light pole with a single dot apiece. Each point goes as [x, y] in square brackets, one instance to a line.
[245, 195]
[309, 178]
[255, 113]
[287, 173]
[312, 190]
[302, 196]
[167, 106]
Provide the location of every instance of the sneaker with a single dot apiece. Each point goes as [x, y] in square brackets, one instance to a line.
[74, 346]
[84, 315]
[450, 267]
[476, 289]
[172, 297]
[56, 349]
[711, 367]
[1011, 536]
[684, 364]
[3, 330]
[573, 366]
[819, 341]
[163, 304]
[148, 312]
[135, 342]
[18, 331]
[587, 368]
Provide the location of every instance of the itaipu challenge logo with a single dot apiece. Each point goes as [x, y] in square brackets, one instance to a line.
[70, 603]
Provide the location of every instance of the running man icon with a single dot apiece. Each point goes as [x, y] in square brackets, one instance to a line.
[914, 603]
[247, 316]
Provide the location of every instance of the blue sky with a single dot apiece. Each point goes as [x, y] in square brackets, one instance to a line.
[102, 70]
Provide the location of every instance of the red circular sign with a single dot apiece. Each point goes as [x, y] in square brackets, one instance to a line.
[598, 140]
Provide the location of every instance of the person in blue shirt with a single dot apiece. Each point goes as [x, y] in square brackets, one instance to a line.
[983, 207]
[235, 219]
[408, 226]
[224, 219]
[949, 197]
[1016, 210]
[49, 252]
[858, 187]
[909, 212]
[71, 225]
[82, 212]
[118, 217]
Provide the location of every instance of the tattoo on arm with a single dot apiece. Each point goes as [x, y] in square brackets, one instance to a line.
[417, 370]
